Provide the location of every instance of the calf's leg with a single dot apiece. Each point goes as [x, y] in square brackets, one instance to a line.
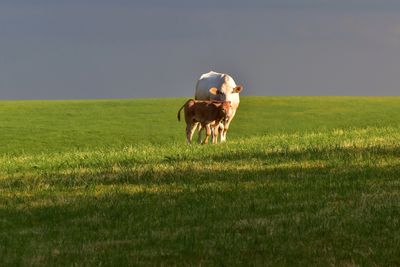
[190, 128]
[219, 128]
[208, 133]
[199, 129]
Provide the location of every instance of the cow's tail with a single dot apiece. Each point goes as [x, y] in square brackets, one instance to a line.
[179, 111]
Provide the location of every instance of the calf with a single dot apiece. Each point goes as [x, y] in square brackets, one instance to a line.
[206, 113]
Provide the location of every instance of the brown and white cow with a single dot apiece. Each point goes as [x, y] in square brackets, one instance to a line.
[221, 87]
[208, 114]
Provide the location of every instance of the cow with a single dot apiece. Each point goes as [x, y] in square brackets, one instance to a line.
[220, 87]
[206, 113]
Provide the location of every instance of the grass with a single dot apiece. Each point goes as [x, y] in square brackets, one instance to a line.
[321, 191]
[55, 126]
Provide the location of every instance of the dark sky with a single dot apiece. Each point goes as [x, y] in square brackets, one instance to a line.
[76, 49]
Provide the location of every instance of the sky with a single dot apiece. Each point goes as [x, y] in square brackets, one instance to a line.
[89, 49]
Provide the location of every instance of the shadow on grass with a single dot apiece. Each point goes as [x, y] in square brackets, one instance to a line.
[186, 214]
[279, 217]
[327, 153]
[233, 166]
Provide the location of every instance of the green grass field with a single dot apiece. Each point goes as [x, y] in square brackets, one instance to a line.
[302, 181]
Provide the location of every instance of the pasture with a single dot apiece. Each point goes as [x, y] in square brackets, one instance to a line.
[301, 181]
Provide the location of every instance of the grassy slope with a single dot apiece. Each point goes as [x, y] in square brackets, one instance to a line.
[36, 126]
[49, 126]
[298, 192]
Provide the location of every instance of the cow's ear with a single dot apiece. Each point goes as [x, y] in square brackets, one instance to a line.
[213, 90]
[238, 89]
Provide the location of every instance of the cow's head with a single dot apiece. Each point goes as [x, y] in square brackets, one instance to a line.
[225, 111]
[221, 95]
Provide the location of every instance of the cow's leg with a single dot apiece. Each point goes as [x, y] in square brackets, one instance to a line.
[190, 128]
[208, 133]
[226, 127]
[213, 134]
[188, 135]
[224, 130]
[214, 131]
[218, 129]
[199, 129]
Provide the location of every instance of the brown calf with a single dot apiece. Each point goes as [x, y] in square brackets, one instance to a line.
[207, 113]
